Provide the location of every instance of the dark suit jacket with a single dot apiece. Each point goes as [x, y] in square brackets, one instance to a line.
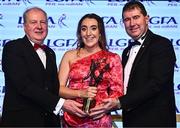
[31, 92]
[150, 94]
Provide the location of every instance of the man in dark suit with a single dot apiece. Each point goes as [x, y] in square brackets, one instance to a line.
[31, 80]
[148, 74]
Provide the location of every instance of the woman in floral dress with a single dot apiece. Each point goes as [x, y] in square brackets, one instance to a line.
[90, 71]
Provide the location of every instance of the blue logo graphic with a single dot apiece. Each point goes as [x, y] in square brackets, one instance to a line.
[88, 2]
[61, 42]
[174, 0]
[122, 42]
[174, 3]
[111, 22]
[163, 22]
[68, 2]
[26, 2]
[65, 44]
[1, 17]
[149, 2]
[15, 2]
[61, 21]
[52, 22]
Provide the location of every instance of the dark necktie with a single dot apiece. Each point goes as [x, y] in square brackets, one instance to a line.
[135, 43]
[36, 46]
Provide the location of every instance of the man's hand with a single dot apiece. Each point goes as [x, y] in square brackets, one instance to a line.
[73, 107]
[106, 106]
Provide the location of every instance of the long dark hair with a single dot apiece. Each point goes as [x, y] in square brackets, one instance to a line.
[102, 40]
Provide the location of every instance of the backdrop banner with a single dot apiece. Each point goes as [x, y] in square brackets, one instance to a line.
[63, 17]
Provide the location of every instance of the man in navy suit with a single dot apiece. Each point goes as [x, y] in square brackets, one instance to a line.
[148, 64]
[31, 80]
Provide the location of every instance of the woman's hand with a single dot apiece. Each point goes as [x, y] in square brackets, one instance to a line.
[90, 92]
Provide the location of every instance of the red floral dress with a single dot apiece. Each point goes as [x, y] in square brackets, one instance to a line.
[110, 85]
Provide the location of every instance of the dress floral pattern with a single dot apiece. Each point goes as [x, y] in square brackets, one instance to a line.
[110, 86]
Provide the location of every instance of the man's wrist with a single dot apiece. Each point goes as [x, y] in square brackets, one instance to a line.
[118, 104]
[59, 106]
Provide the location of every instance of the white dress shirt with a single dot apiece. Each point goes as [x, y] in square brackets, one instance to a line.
[132, 55]
[42, 55]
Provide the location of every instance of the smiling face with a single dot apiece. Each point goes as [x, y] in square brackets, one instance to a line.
[36, 26]
[136, 24]
[90, 33]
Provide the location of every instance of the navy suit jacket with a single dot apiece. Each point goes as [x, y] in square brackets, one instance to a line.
[150, 97]
[31, 91]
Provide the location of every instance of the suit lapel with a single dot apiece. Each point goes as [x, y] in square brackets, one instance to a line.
[142, 50]
[125, 56]
[49, 59]
[32, 56]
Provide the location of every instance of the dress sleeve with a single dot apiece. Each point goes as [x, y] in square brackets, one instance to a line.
[116, 77]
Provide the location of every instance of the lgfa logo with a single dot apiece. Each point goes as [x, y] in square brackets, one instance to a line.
[52, 22]
[163, 22]
[61, 21]
[111, 22]
[121, 43]
[15, 2]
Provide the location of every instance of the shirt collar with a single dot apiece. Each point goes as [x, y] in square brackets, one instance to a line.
[143, 37]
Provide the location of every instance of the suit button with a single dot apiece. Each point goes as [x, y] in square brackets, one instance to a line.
[46, 88]
[45, 114]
